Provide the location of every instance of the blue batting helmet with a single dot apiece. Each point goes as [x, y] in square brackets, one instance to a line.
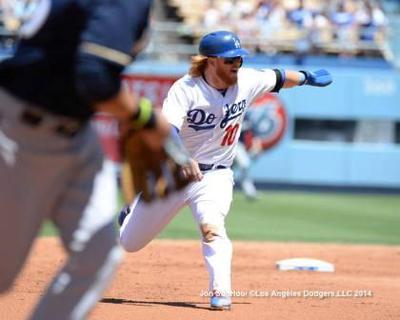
[223, 44]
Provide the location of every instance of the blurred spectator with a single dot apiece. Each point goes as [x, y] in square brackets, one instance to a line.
[271, 17]
[263, 8]
[212, 16]
[237, 9]
[320, 31]
[371, 20]
[302, 26]
[247, 29]
[343, 18]
[301, 18]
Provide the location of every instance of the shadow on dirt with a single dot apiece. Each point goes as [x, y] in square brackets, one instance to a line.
[180, 304]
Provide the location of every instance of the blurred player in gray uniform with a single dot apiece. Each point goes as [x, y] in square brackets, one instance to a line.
[207, 107]
[66, 66]
[263, 126]
[244, 159]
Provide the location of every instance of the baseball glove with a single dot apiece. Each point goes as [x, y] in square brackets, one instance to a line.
[154, 174]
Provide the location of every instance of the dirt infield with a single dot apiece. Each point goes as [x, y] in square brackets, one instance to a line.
[166, 281]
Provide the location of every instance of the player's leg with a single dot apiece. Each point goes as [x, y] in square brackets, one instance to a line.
[210, 201]
[21, 211]
[85, 219]
[146, 220]
[27, 181]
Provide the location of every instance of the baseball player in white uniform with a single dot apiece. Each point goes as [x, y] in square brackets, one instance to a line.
[207, 107]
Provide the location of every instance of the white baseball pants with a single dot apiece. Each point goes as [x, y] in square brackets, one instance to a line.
[209, 201]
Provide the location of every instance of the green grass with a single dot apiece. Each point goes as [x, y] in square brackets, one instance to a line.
[309, 217]
[48, 230]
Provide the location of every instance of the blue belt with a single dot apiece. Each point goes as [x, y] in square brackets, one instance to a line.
[206, 167]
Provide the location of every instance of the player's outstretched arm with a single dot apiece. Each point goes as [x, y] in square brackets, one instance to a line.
[318, 78]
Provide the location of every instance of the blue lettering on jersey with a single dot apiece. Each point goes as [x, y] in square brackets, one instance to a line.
[200, 120]
[232, 112]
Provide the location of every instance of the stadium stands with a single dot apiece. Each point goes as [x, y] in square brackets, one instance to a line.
[338, 27]
[269, 27]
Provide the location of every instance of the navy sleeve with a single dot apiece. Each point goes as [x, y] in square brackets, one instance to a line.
[117, 24]
[112, 28]
[97, 81]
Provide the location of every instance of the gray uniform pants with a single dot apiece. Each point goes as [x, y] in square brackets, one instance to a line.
[45, 175]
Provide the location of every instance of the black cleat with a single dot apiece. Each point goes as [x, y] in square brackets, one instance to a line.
[123, 214]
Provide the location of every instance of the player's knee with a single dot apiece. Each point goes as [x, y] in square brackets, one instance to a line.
[100, 249]
[131, 246]
[210, 232]
[131, 243]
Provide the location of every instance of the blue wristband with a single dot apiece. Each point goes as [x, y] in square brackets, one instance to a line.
[302, 78]
[283, 73]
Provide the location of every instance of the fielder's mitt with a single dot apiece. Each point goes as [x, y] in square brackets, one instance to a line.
[153, 173]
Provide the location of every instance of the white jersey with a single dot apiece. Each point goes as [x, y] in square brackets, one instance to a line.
[210, 122]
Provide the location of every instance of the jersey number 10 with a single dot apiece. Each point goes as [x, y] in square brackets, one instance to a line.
[230, 135]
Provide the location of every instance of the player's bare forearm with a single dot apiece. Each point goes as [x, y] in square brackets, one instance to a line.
[125, 107]
[122, 106]
[292, 78]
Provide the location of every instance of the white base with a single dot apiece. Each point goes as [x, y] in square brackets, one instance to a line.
[307, 264]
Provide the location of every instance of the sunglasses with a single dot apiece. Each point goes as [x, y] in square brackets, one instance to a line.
[233, 60]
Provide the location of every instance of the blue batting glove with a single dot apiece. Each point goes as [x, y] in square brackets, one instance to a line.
[319, 78]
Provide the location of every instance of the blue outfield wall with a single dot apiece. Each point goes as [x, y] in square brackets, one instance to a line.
[356, 93]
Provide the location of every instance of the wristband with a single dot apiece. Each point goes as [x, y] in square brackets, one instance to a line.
[145, 116]
[303, 78]
[283, 74]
